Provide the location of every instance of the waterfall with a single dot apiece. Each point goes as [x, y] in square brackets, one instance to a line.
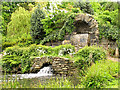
[46, 70]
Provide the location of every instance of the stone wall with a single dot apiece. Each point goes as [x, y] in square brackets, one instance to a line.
[106, 44]
[60, 66]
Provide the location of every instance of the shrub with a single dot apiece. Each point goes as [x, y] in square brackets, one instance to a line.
[24, 54]
[62, 50]
[86, 56]
[7, 44]
[93, 52]
[100, 74]
[10, 61]
[19, 24]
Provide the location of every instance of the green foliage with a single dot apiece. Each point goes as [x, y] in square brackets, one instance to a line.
[2, 25]
[37, 31]
[24, 54]
[7, 9]
[20, 23]
[62, 50]
[23, 41]
[111, 52]
[84, 6]
[54, 21]
[86, 56]
[106, 14]
[111, 6]
[56, 82]
[58, 33]
[9, 62]
[101, 74]
[93, 52]
[7, 44]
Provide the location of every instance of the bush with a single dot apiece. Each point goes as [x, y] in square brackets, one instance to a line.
[10, 61]
[24, 54]
[93, 52]
[62, 50]
[7, 44]
[86, 56]
[101, 74]
[37, 31]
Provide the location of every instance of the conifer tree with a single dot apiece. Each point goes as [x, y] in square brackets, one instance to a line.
[37, 31]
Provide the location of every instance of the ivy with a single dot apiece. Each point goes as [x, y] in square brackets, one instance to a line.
[67, 28]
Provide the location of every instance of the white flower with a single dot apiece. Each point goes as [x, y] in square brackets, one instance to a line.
[4, 54]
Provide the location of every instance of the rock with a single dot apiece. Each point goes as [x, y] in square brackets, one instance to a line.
[37, 67]
[86, 18]
[66, 42]
[117, 52]
[79, 39]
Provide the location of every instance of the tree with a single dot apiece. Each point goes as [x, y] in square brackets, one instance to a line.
[19, 24]
[37, 31]
[7, 9]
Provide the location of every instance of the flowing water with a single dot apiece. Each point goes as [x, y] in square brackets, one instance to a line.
[44, 72]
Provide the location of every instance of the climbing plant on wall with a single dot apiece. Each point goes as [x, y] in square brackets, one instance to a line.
[58, 32]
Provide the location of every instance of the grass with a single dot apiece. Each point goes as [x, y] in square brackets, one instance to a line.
[51, 83]
[95, 70]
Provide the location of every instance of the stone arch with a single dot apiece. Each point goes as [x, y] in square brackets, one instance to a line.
[90, 26]
[60, 66]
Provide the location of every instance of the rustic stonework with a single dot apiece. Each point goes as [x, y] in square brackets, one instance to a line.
[60, 66]
[85, 24]
[92, 27]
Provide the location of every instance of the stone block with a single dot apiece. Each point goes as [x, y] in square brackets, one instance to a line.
[66, 42]
[82, 17]
[48, 44]
[79, 39]
[86, 18]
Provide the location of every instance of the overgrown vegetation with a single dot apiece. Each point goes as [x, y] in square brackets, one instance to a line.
[103, 74]
[14, 56]
[26, 24]
[86, 56]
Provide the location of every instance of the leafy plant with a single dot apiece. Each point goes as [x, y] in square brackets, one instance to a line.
[58, 33]
[19, 24]
[93, 52]
[100, 74]
[87, 56]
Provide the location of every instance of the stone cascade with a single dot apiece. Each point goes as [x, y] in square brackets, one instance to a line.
[60, 66]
